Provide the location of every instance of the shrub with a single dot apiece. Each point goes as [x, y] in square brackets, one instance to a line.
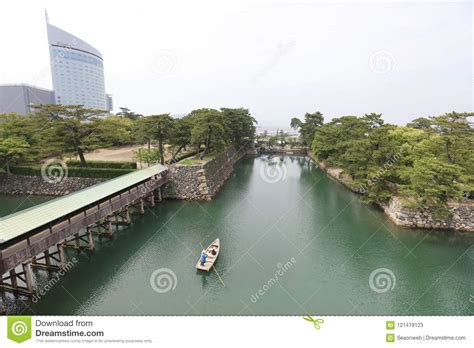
[84, 172]
[103, 164]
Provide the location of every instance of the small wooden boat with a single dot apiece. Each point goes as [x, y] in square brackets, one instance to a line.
[212, 252]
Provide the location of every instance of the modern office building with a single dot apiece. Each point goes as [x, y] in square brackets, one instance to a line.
[77, 70]
[20, 98]
[110, 102]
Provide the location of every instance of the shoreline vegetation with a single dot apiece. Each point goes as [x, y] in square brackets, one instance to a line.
[426, 166]
[70, 131]
[421, 174]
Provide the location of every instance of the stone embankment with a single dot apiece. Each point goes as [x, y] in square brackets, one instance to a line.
[462, 216]
[203, 181]
[188, 182]
[462, 213]
[37, 185]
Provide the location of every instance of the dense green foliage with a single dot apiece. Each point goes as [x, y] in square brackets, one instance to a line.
[56, 131]
[428, 162]
[308, 127]
[104, 164]
[86, 172]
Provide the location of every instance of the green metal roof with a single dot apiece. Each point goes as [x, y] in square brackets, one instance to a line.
[16, 224]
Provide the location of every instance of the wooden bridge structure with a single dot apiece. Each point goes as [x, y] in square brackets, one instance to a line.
[37, 237]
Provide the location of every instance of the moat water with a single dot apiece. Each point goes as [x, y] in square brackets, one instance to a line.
[293, 242]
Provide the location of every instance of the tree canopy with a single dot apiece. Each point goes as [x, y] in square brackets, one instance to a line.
[429, 161]
[308, 127]
[58, 130]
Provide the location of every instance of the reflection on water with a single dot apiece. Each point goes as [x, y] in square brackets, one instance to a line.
[265, 217]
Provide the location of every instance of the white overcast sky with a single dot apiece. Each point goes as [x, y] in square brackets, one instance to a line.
[277, 58]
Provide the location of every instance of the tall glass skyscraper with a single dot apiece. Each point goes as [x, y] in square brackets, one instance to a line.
[77, 69]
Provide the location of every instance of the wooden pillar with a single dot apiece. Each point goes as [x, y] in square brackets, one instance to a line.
[47, 259]
[159, 194]
[142, 206]
[62, 263]
[90, 240]
[127, 215]
[116, 222]
[13, 278]
[77, 241]
[152, 199]
[28, 277]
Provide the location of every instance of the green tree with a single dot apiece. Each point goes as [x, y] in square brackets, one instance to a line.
[161, 130]
[435, 181]
[127, 113]
[72, 123]
[335, 138]
[428, 163]
[11, 150]
[308, 127]
[420, 123]
[113, 130]
[456, 136]
[374, 120]
[142, 131]
[181, 134]
[239, 124]
[209, 129]
[148, 156]
[295, 123]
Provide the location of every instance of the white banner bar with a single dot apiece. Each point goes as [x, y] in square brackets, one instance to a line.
[238, 331]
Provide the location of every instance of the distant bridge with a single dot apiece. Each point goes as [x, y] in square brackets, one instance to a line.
[36, 237]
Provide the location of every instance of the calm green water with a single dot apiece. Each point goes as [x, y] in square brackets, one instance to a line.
[303, 244]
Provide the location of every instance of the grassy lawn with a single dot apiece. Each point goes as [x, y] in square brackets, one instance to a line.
[196, 160]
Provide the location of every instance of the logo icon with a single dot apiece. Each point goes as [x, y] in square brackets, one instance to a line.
[316, 322]
[19, 328]
[54, 171]
[163, 280]
[390, 338]
[382, 280]
[273, 171]
[390, 325]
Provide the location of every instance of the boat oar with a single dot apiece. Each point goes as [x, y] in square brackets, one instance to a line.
[218, 276]
[215, 270]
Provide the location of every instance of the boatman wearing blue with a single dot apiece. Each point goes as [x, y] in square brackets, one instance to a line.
[203, 257]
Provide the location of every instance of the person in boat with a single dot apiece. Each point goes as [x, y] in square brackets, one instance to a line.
[213, 252]
[203, 258]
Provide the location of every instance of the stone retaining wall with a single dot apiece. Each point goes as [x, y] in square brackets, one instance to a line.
[462, 212]
[36, 185]
[202, 181]
[188, 182]
[462, 216]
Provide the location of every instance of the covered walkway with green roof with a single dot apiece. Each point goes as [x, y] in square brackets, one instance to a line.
[27, 233]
